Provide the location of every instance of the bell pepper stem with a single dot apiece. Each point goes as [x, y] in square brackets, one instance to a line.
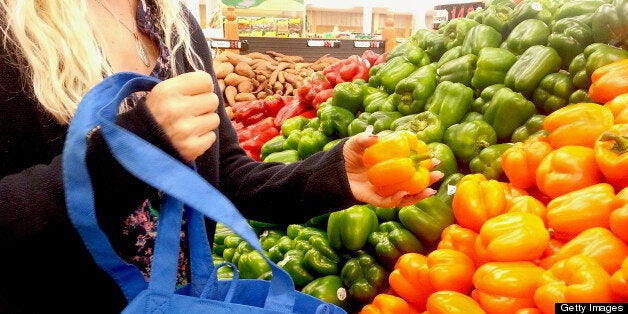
[621, 142]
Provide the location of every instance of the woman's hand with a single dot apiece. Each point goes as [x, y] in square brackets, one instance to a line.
[362, 189]
[185, 108]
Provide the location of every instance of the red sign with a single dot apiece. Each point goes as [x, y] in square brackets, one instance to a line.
[459, 9]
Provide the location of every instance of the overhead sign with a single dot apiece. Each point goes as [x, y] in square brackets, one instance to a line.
[456, 10]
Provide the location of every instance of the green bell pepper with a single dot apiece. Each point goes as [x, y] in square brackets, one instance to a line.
[321, 257]
[532, 127]
[296, 123]
[569, 37]
[349, 95]
[433, 43]
[349, 228]
[273, 145]
[489, 162]
[225, 272]
[297, 231]
[311, 142]
[402, 49]
[594, 56]
[467, 139]
[526, 34]
[331, 144]
[491, 67]
[553, 92]
[328, 289]
[374, 99]
[529, 9]
[386, 213]
[286, 156]
[374, 80]
[269, 237]
[496, 16]
[487, 93]
[455, 31]
[575, 8]
[221, 232]
[451, 54]
[506, 111]
[426, 125]
[580, 95]
[459, 70]
[472, 116]
[251, 265]
[391, 240]
[334, 120]
[532, 66]
[394, 71]
[231, 242]
[364, 277]
[426, 219]
[480, 36]
[359, 124]
[277, 252]
[306, 142]
[447, 187]
[380, 102]
[498, 3]
[450, 101]
[610, 23]
[412, 92]
[381, 120]
[447, 160]
[293, 263]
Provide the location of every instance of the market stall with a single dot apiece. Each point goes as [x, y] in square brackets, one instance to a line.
[525, 107]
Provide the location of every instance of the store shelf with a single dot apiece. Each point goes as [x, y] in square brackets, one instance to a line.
[311, 48]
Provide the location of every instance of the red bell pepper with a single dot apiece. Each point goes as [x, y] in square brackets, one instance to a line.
[347, 70]
[381, 59]
[370, 55]
[274, 104]
[249, 131]
[293, 108]
[249, 112]
[314, 84]
[321, 97]
[253, 145]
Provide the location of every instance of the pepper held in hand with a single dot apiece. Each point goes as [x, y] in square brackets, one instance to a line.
[398, 162]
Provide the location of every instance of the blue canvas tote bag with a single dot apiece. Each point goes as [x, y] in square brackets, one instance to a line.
[185, 192]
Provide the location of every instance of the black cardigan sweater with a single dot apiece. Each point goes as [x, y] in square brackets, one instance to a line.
[44, 266]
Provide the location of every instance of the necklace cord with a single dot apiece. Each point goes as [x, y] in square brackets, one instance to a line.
[141, 49]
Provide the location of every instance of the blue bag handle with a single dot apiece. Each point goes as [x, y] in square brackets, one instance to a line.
[180, 182]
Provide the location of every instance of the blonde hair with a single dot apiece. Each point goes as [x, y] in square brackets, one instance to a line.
[56, 40]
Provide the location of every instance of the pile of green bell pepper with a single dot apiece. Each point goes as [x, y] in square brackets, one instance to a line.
[348, 229]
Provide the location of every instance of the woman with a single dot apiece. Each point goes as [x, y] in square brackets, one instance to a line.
[52, 52]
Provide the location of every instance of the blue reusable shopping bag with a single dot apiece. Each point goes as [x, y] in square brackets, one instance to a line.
[183, 188]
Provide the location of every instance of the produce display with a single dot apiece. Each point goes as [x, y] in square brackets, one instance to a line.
[526, 109]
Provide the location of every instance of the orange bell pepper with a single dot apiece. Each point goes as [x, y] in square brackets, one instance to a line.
[578, 278]
[529, 204]
[388, 304]
[505, 287]
[549, 255]
[609, 81]
[476, 200]
[567, 169]
[512, 193]
[461, 239]
[619, 280]
[570, 214]
[520, 161]
[512, 236]
[598, 243]
[577, 124]
[611, 155]
[450, 270]
[619, 108]
[452, 302]
[619, 217]
[410, 281]
[398, 162]
[529, 310]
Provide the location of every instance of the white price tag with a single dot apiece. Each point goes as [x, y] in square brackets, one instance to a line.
[451, 189]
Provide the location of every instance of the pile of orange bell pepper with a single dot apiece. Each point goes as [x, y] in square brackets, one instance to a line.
[556, 232]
